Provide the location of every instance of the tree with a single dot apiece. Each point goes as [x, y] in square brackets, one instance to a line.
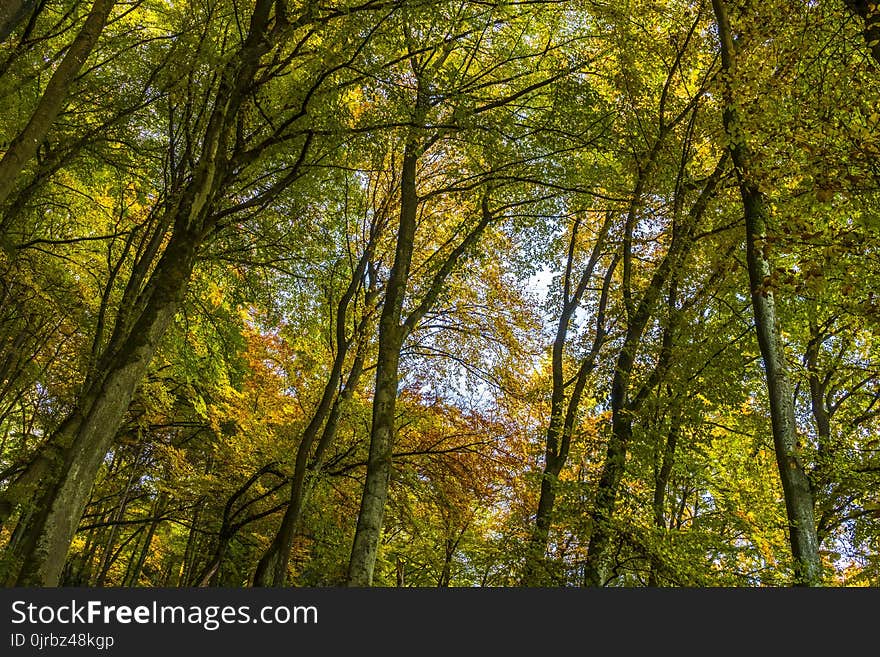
[430, 102]
[792, 472]
[25, 144]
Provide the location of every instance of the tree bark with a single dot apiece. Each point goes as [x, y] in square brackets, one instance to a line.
[795, 483]
[446, 572]
[392, 333]
[272, 567]
[661, 482]
[391, 336]
[597, 564]
[78, 448]
[818, 391]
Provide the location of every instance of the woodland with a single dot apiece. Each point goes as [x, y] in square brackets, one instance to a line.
[439, 293]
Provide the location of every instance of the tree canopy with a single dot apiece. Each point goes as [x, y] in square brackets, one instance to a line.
[398, 292]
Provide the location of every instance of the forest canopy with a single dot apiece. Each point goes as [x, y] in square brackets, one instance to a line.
[433, 293]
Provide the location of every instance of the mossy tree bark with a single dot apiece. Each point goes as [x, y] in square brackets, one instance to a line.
[391, 336]
[61, 477]
[795, 481]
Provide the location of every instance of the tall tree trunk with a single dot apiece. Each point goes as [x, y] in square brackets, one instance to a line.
[24, 146]
[272, 567]
[795, 483]
[446, 572]
[392, 333]
[391, 336]
[818, 391]
[596, 566]
[63, 475]
[79, 446]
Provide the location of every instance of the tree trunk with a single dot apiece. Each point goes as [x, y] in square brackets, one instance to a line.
[63, 475]
[392, 333]
[272, 567]
[537, 571]
[446, 573]
[391, 336]
[795, 483]
[622, 408]
[212, 567]
[818, 391]
[82, 441]
[400, 572]
[596, 566]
